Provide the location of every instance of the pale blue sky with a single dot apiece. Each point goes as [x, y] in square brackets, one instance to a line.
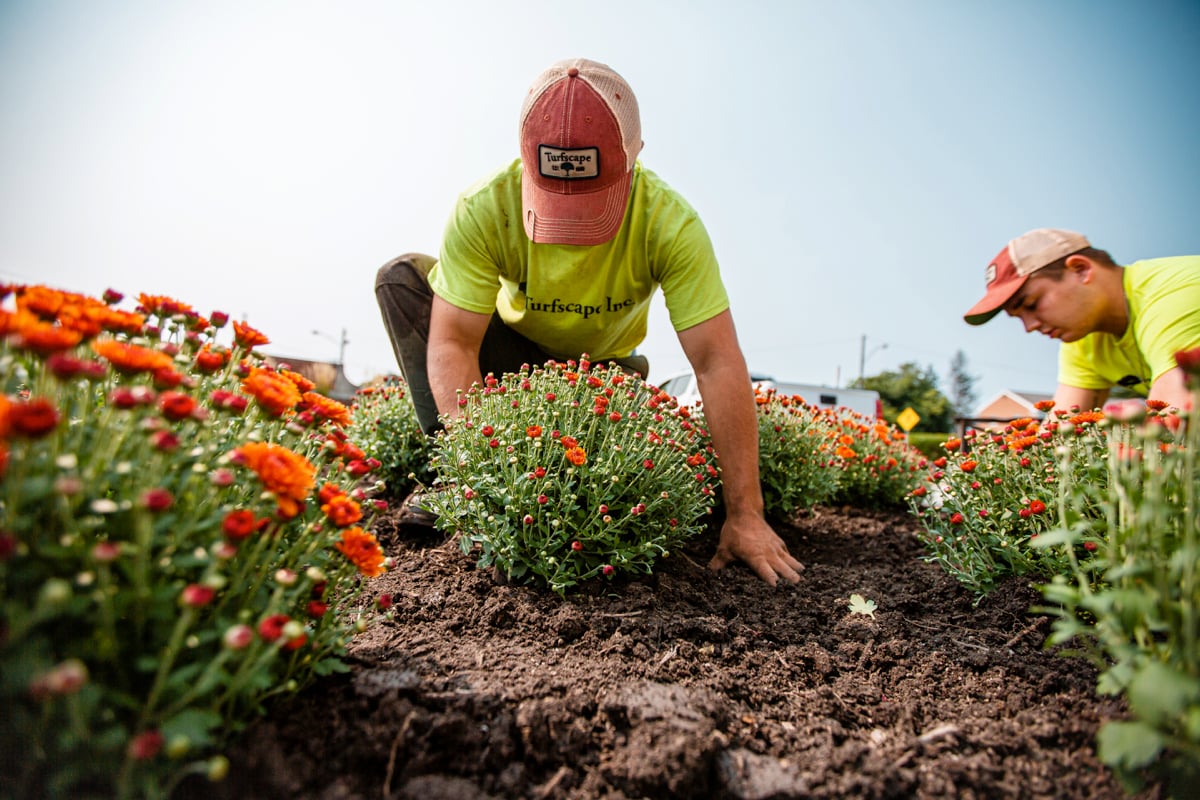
[857, 163]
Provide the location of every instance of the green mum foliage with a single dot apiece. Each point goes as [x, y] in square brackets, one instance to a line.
[795, 461]
[386, 428]
[571, 471]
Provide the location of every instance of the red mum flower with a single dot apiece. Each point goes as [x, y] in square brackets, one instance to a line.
[176, 405]
[32, 419]
[195, 595]
[157, 499]
[239, 524]
[146, 745]
[209, 361]
[271, 628]
[1189, 361]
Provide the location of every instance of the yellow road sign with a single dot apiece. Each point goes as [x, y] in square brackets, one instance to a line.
[908, 419]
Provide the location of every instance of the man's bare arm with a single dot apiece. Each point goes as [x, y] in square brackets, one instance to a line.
[1066, 397]
[1171, 388]
[455, 336]
[729, 411]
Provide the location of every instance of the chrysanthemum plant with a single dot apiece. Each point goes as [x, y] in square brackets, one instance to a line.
[181, 540]
[985, 502]
[386, 426]
[796, 464]
[877, 466]
[571, 471]
[1133, 609]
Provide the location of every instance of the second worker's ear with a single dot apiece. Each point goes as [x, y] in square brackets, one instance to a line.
[1082, 266]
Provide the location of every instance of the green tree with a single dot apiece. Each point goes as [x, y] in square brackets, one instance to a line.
[962, 386]
[912, 387]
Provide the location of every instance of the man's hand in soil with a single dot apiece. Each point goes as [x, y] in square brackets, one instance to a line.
[750, 539]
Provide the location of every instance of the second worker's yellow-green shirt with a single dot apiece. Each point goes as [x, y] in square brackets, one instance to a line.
[1163, 297]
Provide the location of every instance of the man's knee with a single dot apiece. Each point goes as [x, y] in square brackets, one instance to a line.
[410, 269]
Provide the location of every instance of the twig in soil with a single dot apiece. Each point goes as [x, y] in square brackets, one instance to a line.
[401, 735]
[621, 614]
[1028, 629]
[669, 655]
[937, 733]
[943, 626]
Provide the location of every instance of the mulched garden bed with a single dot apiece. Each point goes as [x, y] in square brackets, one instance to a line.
[689, 684]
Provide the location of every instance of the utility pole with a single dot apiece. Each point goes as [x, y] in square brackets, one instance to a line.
[341, 345]
[863, 354]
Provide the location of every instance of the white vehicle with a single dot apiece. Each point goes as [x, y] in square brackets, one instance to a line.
[866, 402]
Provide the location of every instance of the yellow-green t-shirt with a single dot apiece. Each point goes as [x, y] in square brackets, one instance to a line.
[1163, 295]
[572, 299]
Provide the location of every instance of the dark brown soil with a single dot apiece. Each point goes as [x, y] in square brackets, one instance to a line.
[688, 684]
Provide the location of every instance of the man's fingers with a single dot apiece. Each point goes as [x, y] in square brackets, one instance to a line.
[720, 560]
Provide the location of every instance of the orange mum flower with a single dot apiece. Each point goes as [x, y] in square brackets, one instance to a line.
[16, 321]
[363, 551]
[1044, 405]
[274, 393]
[41, 300]
[342, 510]
[131, 358]
[302, 383]
[327, 408]
[1023, 422]
[1021, 442]
[533, 431]
[164, 306]
[1086, 416]
[1156, 405]
[285, 474]
[248, 337]
[845, 452]
[577, 456]
[119, 321]
[45, 339]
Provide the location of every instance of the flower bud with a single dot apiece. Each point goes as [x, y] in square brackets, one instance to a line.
[146, 745]
[238, 637]
[218, 768]
[55, 592]
[196, 596]
[178, 746]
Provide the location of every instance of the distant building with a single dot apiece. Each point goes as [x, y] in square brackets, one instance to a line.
[330, 379]
[1007, 405]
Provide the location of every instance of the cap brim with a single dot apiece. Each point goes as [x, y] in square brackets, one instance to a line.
[580, 218]
[993, 302]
